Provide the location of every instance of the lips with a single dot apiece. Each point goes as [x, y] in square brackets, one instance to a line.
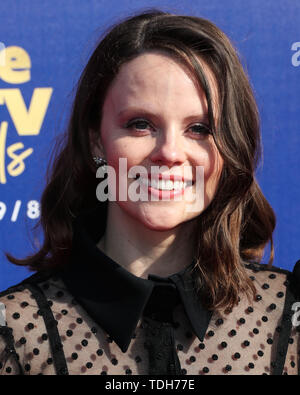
[164, 185]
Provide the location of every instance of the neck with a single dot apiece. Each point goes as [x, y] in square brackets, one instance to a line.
[144, 251]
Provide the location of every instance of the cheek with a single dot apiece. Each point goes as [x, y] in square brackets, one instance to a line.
[212, 162]
[213, 176]
[117, 149]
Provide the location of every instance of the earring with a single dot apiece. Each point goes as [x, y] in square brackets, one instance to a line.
[99, 161]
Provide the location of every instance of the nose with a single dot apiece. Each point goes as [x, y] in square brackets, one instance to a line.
[169, 150]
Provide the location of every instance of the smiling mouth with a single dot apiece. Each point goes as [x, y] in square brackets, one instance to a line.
[162, 184]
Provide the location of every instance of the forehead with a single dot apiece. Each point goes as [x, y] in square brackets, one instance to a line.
[154, 77]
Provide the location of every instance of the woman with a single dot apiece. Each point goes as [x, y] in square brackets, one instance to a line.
[169, 283]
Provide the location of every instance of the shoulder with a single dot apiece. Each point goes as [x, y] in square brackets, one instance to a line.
[20, 296]
[273, 277]
[19, 304]
[274, 310]
[26, 316]
[31, 298]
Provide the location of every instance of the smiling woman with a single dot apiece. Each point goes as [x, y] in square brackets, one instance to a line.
[162, 122]
[161, 285]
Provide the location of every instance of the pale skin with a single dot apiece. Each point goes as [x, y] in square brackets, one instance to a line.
[156, 237]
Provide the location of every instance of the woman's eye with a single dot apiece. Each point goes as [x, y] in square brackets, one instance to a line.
[139, 124]
[200, 129]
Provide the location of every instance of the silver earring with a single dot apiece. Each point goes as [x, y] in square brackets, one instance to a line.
[99, 161]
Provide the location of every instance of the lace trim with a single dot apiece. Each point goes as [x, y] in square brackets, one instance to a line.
[7, 334]
[56, 345]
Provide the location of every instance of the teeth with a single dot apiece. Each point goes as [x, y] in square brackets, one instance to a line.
[166, 185]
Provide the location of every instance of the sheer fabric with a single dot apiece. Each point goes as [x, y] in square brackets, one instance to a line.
[48, 332]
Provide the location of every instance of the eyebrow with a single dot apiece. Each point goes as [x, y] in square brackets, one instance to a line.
[143, 112]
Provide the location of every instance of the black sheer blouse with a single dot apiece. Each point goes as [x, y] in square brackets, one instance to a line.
[95, 317]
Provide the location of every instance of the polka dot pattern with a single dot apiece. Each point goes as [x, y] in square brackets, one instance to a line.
[243, 341]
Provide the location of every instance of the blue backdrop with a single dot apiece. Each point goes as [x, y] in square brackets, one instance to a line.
[45, 44]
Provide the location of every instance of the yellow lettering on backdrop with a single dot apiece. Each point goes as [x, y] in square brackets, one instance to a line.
[27, 122]
[3, 133]
[16, 68]
[17, 166]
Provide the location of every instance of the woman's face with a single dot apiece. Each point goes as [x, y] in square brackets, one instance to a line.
[153, 115]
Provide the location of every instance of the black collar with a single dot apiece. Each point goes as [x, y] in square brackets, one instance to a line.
[113, 297]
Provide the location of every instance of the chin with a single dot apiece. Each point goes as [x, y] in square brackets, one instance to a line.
[158, 218]
[159, 227]
[160, 223]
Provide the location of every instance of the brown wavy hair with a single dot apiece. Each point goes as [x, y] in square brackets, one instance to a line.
[239, 222]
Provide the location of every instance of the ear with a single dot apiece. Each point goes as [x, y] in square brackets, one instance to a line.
[96, 147]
